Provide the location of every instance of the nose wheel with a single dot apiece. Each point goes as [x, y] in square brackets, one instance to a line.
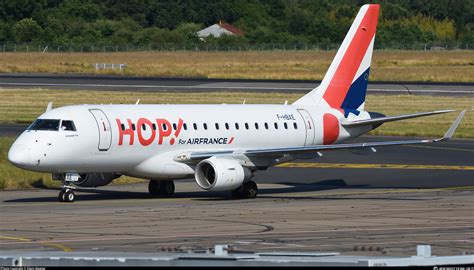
[67, 193]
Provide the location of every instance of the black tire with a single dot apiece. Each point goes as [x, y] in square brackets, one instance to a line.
[167, 188]
[237, 193]
[61, 196]
[69, 196]
[249, 190]
[154, 187]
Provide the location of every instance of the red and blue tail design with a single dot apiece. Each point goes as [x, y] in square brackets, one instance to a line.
[345, 84]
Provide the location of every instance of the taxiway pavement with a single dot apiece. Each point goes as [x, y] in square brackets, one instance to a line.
[150, 84]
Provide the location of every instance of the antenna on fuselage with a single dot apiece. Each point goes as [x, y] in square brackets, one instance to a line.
[286, 102]
[50, 106]
[138, 101]
[244, 102]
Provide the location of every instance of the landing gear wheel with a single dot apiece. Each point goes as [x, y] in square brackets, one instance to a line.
[167, 188]
[161, 188]
[247, 190]
[154, 187]
[67, 195]
[250, 190]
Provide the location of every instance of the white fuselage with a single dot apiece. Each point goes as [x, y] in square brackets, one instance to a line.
[143, 140]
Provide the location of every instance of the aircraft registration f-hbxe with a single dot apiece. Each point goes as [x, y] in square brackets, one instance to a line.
[221, 146]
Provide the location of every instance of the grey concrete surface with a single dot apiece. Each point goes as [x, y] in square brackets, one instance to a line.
[319, 218]
[123, 83]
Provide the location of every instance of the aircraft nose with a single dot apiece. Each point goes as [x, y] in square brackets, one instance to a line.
[19, 155]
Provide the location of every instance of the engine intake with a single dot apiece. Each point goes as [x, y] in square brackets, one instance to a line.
[220, 174]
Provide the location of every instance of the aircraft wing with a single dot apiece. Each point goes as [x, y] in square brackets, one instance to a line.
[381, 120]
[195, 156]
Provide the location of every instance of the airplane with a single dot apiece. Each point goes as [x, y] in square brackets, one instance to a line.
[223, 145]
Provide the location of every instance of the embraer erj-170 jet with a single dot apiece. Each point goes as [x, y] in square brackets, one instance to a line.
[221, 146]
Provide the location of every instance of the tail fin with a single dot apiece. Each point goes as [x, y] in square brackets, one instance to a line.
[345, 83]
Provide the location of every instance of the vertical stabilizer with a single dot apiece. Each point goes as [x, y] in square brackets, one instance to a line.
[345, 83]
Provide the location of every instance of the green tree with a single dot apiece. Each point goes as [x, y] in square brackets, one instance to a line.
[27, 30]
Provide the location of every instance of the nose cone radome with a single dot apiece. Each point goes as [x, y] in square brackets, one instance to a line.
[19, 155]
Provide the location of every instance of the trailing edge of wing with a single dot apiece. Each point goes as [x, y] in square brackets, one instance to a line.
[298, 150]
[381, 120]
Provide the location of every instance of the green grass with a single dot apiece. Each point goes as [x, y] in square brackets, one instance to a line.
[23, 106]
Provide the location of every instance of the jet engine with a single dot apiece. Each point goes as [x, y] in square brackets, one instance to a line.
[220, 174]
[95, 179]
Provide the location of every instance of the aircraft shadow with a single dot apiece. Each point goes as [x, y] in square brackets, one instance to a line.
[103, 195]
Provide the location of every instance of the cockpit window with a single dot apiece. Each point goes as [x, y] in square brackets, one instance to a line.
[45, 124]
[68, 125]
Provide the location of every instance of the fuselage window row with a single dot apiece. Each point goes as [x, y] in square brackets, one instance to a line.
[227, 126]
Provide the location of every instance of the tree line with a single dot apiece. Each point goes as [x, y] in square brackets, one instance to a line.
[159, 22]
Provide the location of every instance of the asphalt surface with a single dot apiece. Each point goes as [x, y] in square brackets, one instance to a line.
[144, 84]
[380, 204]
[359, 221]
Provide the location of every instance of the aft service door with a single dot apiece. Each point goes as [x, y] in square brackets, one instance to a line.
[309, 127]
[105, 132]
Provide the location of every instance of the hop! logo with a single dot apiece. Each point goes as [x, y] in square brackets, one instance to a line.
[161, 128]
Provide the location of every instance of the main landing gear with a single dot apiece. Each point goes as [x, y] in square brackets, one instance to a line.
[161, 188]
[67, 193]
[247, 190]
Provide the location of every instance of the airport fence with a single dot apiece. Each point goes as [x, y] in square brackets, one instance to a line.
[83, 48]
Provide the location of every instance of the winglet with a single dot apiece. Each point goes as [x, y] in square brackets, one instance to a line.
[50, 106]
[453, 128]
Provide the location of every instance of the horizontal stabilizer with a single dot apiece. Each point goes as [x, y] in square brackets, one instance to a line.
[381, 120]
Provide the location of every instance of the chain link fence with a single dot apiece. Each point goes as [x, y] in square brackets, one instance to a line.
[88, 48]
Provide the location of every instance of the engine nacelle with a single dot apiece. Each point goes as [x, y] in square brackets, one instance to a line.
[95, 179]
[220, 174]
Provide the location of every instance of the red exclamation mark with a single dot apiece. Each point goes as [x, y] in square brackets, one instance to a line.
[177, 131]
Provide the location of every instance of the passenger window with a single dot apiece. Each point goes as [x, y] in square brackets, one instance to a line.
[195, 126]
[285, 125]
[237, 126]
[68, 125]
[185, 126]
[205, 126]
[227, 126]
[143, 127]
[276, 125]
[123, 127]
[165, 127]
[154, 126]
[174, 126]
[266, 125]
[295, 125]
[133, 126]
[246, 125]
[217, 126]
[256, 125]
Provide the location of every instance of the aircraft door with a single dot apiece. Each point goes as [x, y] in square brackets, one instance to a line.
[105, 131]
[309, 124]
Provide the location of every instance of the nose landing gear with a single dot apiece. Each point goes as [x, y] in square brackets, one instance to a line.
[67, 193]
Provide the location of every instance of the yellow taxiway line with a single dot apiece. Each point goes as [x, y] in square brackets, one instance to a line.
[64, 248]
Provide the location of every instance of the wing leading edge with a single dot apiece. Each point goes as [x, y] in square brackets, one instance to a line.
[195, 156]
